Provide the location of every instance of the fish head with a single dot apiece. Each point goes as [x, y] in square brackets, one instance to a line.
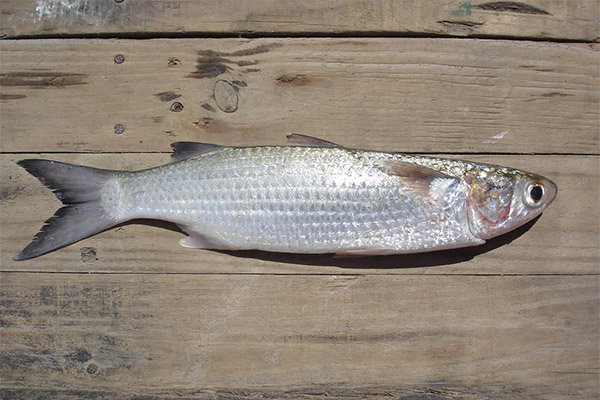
[502, 199]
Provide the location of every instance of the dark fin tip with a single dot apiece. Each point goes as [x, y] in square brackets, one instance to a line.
[184, 150]
[309, 141]
[79, 188]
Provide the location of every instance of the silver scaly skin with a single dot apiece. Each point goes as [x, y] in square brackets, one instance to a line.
[319, 198]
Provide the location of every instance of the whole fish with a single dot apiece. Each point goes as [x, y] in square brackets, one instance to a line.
[311, 197]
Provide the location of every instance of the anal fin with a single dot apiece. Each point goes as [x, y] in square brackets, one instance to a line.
[196, 241]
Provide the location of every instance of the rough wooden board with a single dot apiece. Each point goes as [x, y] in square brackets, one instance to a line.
[146, 334]
[555, 19]
[330, 392]
[418, 95]
[563, 241]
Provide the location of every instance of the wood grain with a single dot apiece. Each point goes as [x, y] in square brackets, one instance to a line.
[130, 314]
[549, 19]
[419, 95]
[563, 241]
[517, 337]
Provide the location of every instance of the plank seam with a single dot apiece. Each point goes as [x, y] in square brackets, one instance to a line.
[294, 35]
[510, 274]
[427, 153]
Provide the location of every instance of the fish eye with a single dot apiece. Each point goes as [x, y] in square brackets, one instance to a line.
[535, 193]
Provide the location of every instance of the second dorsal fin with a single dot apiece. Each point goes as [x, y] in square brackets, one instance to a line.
[308, 141]
[184, 150]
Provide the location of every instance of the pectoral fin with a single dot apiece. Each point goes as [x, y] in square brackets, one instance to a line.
[412, 171]
[417, 177]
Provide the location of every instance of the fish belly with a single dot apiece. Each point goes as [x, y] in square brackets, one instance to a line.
[295, 199]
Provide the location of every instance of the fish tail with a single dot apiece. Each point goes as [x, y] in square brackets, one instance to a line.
[82, 215]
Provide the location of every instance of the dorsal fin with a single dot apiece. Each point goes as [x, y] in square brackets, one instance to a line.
[184, 150]
[415, 176]
[308, 141]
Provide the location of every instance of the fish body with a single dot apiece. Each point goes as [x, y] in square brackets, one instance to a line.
[315, 197]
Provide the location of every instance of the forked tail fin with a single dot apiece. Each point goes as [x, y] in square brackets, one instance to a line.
[80, 190]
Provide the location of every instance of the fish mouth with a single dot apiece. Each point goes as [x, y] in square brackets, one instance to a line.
[551, 192]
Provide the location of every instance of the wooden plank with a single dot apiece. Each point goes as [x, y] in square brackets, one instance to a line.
[564, 240]
[555, 19]
[514, 337]
[421, 95]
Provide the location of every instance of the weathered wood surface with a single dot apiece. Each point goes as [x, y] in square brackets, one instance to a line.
[563, 241]
[128, 313]
[418, 95]
[182, 335]
[550, 19]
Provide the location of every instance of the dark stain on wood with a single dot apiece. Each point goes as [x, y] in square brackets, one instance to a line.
[264, 48]
[167, 96]
[212, 63]
[12, 193]
[511, 6]
[11, 96]
[81, 356]
[208, 107]
[15, 360]
[88, 255]
[292, 81]
[463, 27]
[246, 63]
[210, 66]
[41, 80]
[556, 94]
[82, 303]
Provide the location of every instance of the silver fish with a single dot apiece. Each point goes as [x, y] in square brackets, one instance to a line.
[313, 197]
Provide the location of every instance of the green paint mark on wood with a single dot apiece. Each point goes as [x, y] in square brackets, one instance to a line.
[463, 10]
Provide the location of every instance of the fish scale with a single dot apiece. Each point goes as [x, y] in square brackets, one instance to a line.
[308, 206]
[315, 197]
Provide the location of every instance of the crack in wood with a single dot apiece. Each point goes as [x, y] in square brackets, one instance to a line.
[41, 80]
[511, 6]
[432, 391]
[465, 27]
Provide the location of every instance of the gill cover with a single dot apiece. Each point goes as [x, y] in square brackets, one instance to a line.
[489, 204]
[500, 200]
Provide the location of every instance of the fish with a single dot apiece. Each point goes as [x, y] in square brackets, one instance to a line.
[309, 196]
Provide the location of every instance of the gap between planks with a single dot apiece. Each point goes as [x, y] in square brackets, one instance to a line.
[501, 275]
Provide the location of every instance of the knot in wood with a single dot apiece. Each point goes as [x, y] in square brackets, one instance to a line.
[176, 107]
[226, 96]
